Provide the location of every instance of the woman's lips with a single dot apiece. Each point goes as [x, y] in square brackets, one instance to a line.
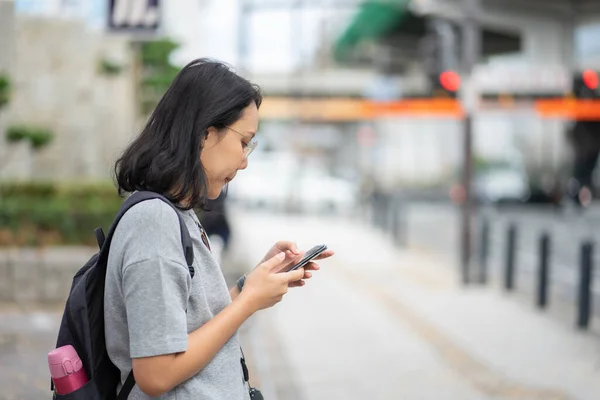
[229, 178]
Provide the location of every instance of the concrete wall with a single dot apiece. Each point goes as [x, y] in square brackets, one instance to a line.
[44, 276]
[59, 85]
[40, 275]
[7, 59]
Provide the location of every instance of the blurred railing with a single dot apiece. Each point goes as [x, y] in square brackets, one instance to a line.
[544, 253]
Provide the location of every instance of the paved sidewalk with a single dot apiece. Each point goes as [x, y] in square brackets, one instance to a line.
[380, 323]
[26, 336]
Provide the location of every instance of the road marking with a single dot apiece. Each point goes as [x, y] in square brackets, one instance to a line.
[483, 378]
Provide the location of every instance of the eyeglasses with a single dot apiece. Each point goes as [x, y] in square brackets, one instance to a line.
[248, 148]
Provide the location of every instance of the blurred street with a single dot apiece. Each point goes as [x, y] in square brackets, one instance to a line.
[387, 324]
[375, 322]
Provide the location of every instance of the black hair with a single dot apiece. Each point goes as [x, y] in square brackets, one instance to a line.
[165, 157]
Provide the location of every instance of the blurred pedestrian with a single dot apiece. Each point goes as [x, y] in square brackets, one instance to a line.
[177, 332]
[215, 222]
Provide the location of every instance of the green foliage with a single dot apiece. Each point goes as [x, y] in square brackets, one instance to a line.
[16, 134]
[5, 88]
[157, 71]
[109, 67]
[156, 53]
[43, 213]
[38, 137]
[28, 189]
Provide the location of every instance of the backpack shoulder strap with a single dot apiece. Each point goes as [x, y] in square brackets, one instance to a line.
[138, 197]
[127, 387]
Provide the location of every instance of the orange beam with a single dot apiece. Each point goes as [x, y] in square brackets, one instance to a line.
[580, 110]
[340, 109]
[450, 108]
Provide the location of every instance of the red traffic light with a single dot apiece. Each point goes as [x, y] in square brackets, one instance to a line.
[450, 81]
[590, 79]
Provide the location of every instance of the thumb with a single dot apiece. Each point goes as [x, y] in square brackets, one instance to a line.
[274, 261]
[294, 276]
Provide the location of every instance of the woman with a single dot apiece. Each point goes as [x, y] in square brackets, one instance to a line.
[178, 333]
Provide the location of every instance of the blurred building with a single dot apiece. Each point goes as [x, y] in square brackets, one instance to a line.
[73, 79]
[7, 61]
[75, 70]
[373, 100]
[366, 102]
[396, 52]
[61, 82]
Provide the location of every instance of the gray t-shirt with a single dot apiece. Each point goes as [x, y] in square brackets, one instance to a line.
[152, 303]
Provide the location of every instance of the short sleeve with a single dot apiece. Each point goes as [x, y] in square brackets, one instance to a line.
[155, 292]
[156, 282]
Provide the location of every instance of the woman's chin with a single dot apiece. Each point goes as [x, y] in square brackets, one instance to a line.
[214, 193]
[213, 196]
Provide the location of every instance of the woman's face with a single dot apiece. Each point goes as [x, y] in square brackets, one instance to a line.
[223, 152]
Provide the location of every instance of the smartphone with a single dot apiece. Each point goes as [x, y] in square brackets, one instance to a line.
[308, 256]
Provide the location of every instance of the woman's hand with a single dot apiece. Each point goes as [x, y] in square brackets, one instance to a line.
[311, 266]
[265, 286]
[292, 256]
[285, 246]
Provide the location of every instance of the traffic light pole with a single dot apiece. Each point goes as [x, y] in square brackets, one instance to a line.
[471, 49]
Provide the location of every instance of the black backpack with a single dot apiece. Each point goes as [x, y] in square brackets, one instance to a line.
[82, 324]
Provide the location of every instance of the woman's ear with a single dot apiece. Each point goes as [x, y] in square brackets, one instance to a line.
[212, 136]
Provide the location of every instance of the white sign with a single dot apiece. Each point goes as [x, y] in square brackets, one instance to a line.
[134, 15]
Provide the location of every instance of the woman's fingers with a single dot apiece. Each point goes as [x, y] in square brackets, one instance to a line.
[287, 245]
[312, 266]
[325, 254]
[297, 284]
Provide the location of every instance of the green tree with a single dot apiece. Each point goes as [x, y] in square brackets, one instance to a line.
[4, 90]
[157, 71]
[37, 137]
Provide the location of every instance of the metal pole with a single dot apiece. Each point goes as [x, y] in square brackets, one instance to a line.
[484, 250]
[467, 205]
[585, 286]
[471, 50]
[509, 277]
[542, 299]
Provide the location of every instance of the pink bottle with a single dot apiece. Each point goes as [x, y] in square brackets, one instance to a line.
[66, 370]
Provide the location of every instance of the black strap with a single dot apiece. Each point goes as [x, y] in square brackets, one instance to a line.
[186, 240]
[138, 197]
[244, 366]
[100, 237]
[127, 387]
